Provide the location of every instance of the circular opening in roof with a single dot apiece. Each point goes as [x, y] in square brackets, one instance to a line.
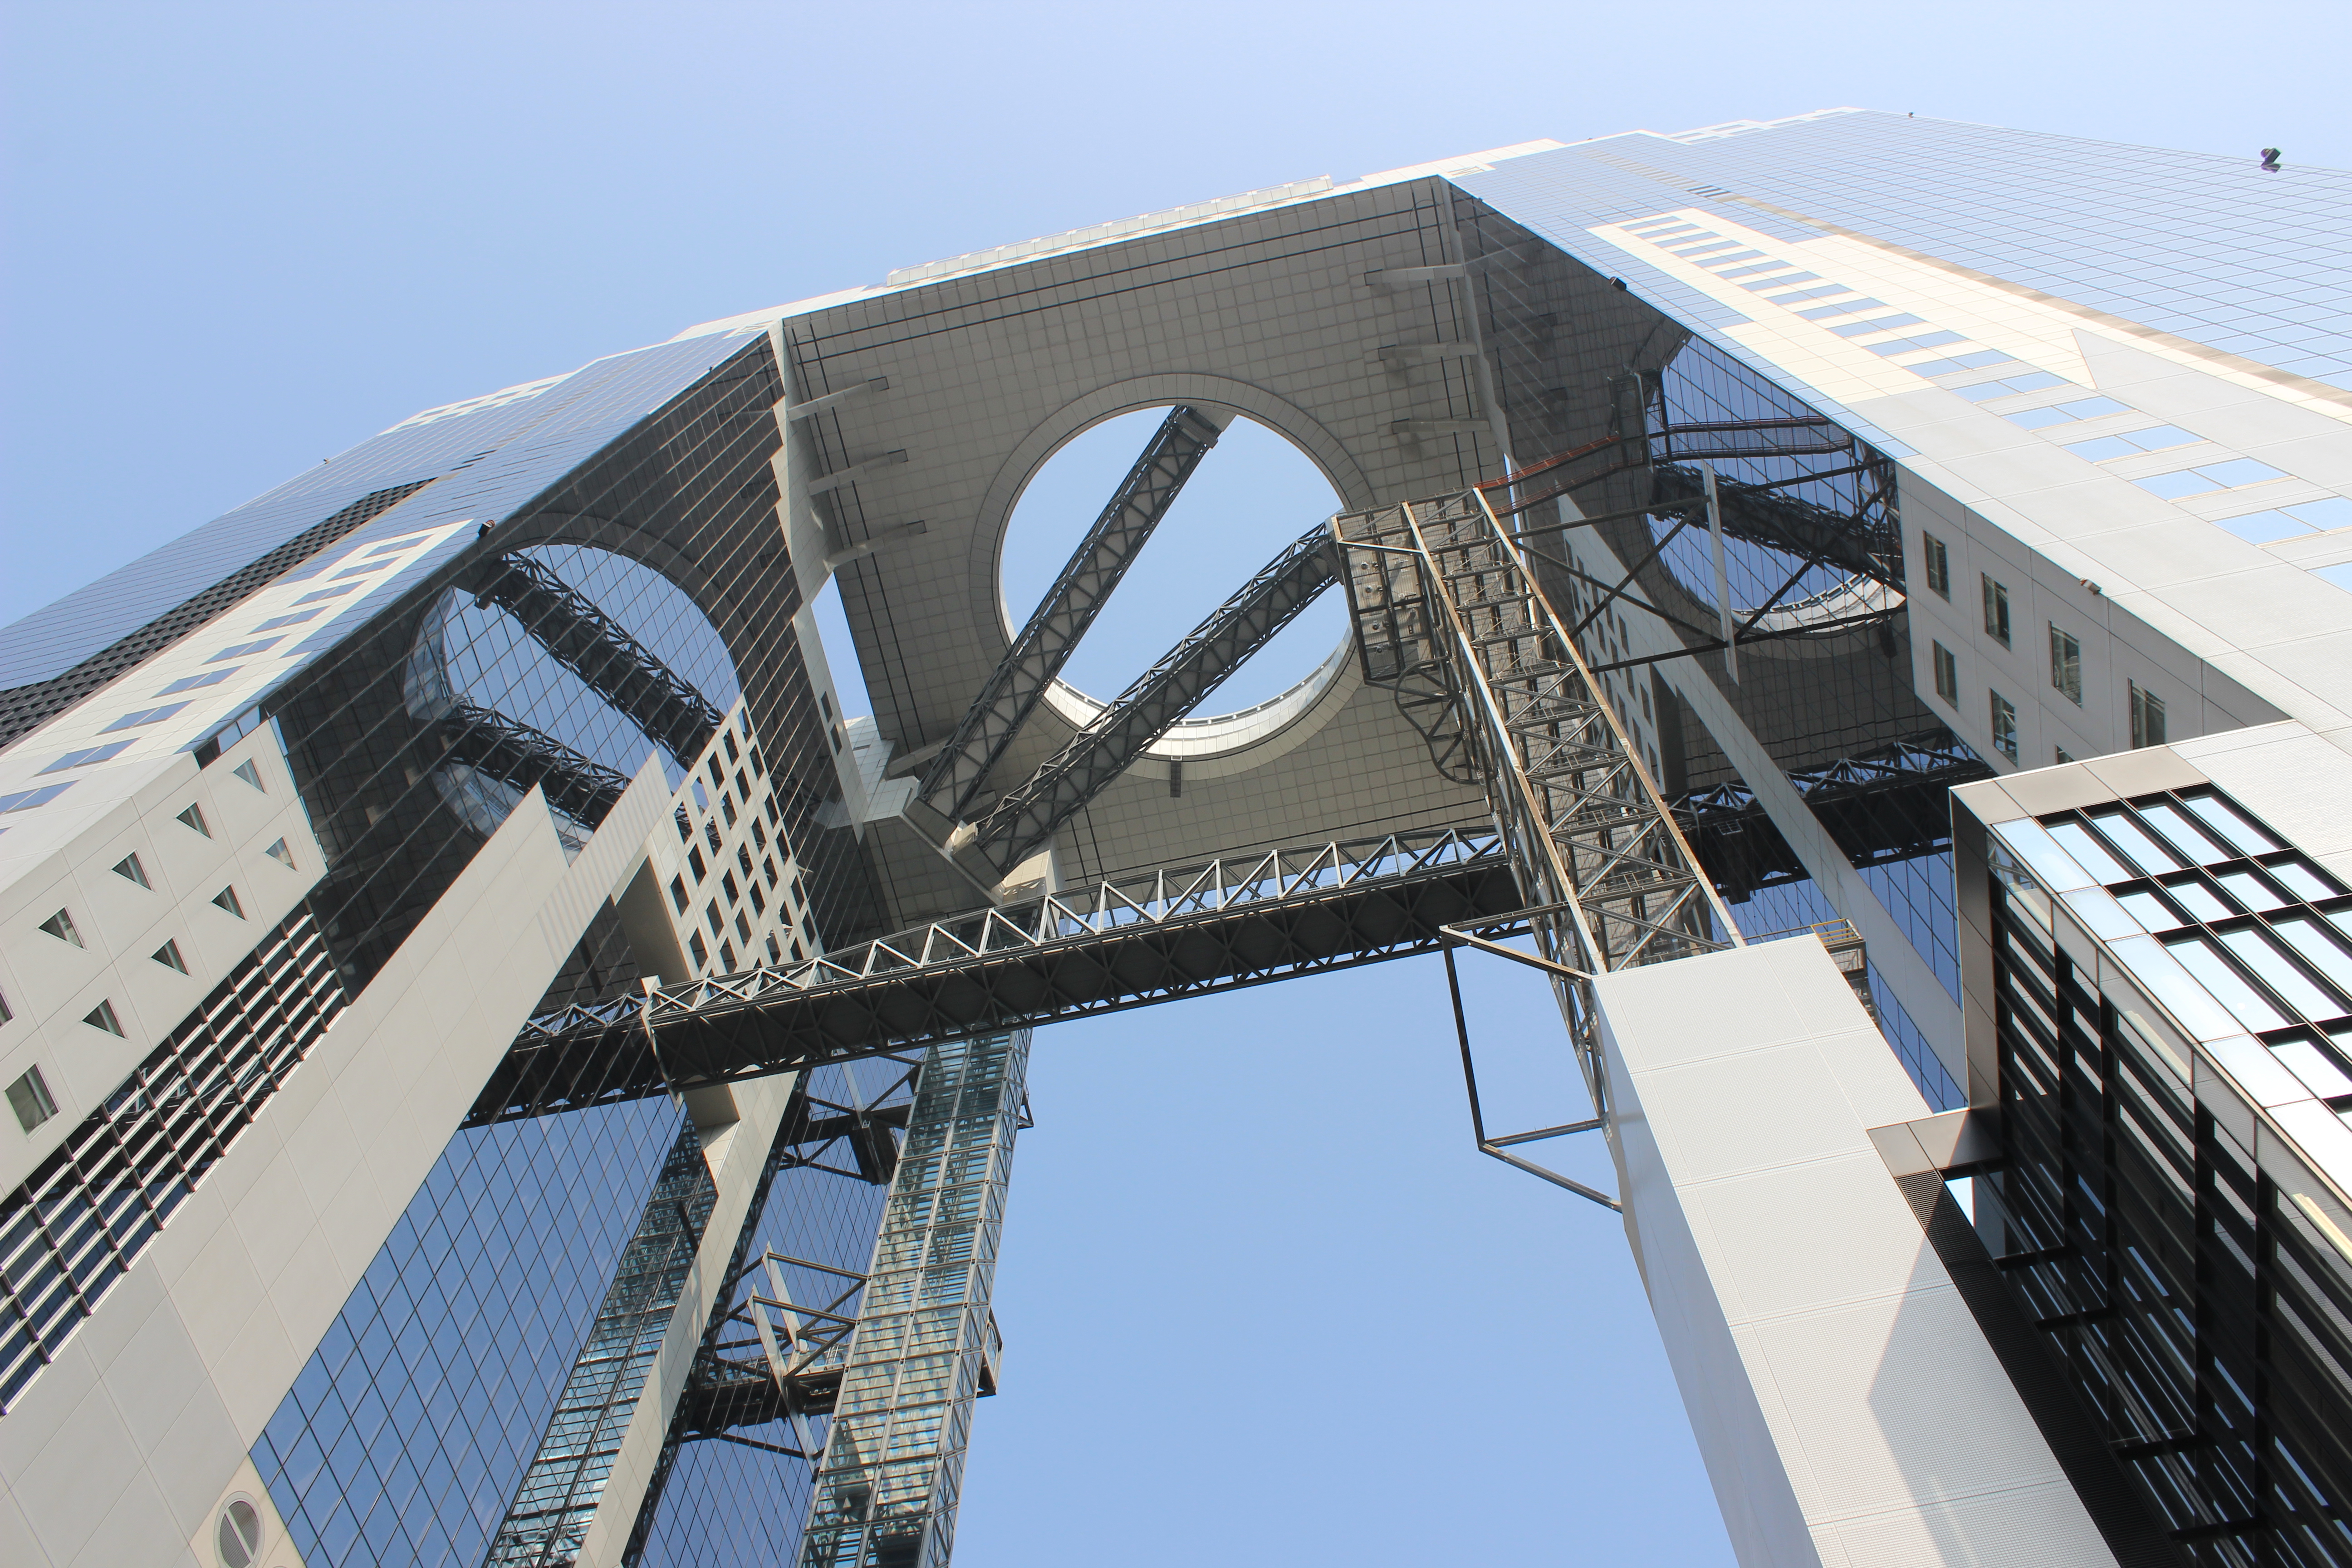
[1251, 496]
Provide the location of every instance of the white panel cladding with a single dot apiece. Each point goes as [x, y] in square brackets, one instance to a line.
[1847, 1408]
[117, 1453]
[52, 985]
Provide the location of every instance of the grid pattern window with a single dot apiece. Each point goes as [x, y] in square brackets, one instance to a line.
[893, 1465]
[2198, 1300]
[1947, 673]
[2066, 664]
[403, 1438]
[1996, 609]
[734, 1481]
[560, 1492]
[78, 1223]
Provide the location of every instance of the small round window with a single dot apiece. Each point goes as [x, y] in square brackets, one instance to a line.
[239, 1533]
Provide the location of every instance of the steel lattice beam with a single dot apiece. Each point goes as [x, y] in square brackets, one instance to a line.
[1025, 820]
[1126, 941]
[492, 743]
[960, 772]
[600, 651]
[1611, 882]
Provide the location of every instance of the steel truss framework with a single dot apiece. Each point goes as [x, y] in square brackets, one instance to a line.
[959, 775]
[1125, 942]
[1026, 818]
[1866, 545]
[1441, 595]
[489, 742]
[601, 652]
[1887, 804]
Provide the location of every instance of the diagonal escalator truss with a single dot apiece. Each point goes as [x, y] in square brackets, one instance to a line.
[1439, 587]
[1026, 818]
[959, 775]
[601, 652]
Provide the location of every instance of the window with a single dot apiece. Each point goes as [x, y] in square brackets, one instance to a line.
[130, 870]
[759, 834]
[2009, 387]
[60, 925]
[226, 899]
[28, 1097]
[710, 833]
[360, 571]
[102, 1017]
[701, 953]
[743, 928]
[282, 855]
[195, 817]
[243, 648]
[2066, 412]
[168, 955]
[1939, 565]
[727, 808]
[250, 773]
[701, 795]
[2147, 716]
[2004, 726]
[678, 893]
[87, 756]
[2062, 755]
[2222, 476]
[1880, 324]
[1996, 610]
[395, 546]
[329, 592]
[727, 880]
[1947, 673]
[190, 683]
[144, 716]
[1822, 313]
[2066, 664]
[26, 799]
[717, 921]
[238, 1538]
[2132, 443]
[733, 755]
[296, 619]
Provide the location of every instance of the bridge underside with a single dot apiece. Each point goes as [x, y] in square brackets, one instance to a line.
[1125, 942]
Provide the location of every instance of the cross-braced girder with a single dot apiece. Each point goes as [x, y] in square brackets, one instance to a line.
[601, 652]
[515, 753]
[1125, 942]
[1026, 818]
[960, 773]
[1441, 586]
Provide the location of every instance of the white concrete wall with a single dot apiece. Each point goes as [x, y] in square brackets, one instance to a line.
[119, 1452]
[1848, 1411]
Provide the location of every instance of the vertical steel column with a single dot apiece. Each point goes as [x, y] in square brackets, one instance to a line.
[893, 1466]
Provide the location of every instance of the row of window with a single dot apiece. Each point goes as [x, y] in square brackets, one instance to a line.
[2148, 725]
[29, 1096]
[2147, 712]
[757, 861]
[78, 1223]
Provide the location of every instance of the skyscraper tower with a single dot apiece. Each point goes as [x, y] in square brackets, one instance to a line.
[506, 1070]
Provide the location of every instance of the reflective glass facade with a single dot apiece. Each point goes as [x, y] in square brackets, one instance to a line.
[406, 1438]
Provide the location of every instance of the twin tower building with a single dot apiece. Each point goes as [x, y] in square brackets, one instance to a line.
[503, 1070]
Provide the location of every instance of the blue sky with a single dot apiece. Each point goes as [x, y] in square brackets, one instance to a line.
[1263, 1303]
